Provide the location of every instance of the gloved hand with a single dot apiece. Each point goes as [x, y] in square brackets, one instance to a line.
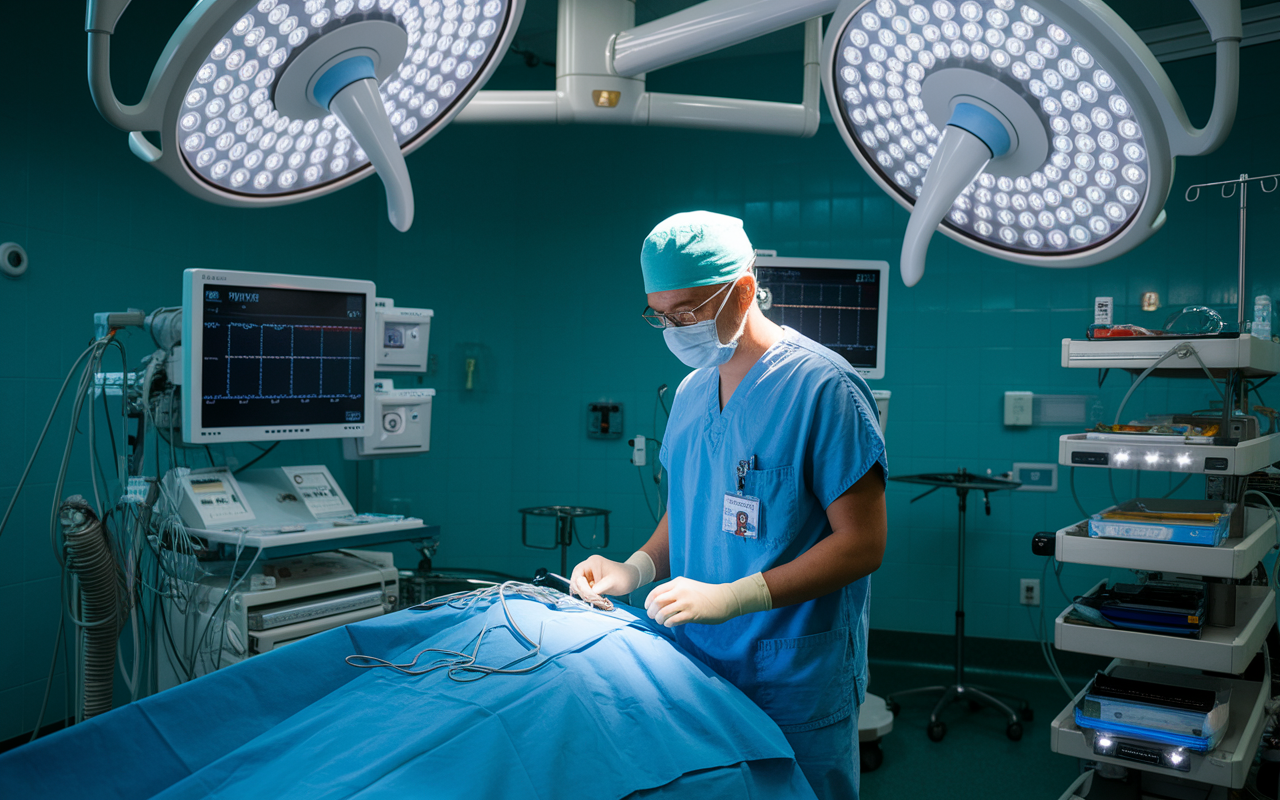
[599, 576]
[683, 600]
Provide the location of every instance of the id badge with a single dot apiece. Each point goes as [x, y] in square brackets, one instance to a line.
[741, 515]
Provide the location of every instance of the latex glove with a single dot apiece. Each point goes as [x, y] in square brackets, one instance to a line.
[683, 600]
[598, 576]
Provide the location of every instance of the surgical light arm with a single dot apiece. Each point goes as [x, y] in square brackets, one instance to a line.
[101, 17]
[1222, 17]
[598, 51]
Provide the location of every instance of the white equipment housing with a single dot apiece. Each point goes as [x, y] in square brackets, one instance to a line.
[402, 424]
[291, 599]
[280, 391]
[209, 498]
[273, 499]
[403, 336]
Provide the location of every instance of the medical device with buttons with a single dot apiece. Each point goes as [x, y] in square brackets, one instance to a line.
[403, 334]
[281, 601]
[269, 500]
[402, 424]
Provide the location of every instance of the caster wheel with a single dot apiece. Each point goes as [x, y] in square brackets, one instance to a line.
[871, 756]
[1014, 731]
[1027, 714]
[893, 707]
[937, 730]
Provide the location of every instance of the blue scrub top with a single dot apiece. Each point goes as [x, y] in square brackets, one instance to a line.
[811, 423]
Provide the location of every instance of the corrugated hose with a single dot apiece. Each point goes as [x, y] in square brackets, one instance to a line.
[89, 557]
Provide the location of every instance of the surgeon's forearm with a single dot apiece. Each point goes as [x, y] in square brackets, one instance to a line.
[853, 550]
[659, 549]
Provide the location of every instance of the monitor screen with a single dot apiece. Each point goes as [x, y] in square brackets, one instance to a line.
[277, 361]
[838, 304]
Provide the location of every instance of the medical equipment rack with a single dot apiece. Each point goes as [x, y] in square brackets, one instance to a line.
[1233, 650]
[1226, 765]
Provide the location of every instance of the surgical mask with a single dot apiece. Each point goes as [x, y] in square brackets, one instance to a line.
[698, 345]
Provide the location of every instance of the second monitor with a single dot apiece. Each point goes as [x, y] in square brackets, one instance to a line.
[839, 303]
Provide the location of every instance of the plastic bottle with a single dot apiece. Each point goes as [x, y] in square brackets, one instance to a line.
[1262, 316]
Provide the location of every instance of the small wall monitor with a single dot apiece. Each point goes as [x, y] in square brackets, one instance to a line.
[840, 304]
[269, 357]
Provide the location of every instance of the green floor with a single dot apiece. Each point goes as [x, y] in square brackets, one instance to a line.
[975, 759]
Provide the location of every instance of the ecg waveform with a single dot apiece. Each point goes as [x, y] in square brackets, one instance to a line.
[840, 316]
[279, 361]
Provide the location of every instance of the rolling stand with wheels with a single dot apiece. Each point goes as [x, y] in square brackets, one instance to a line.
[977, 697]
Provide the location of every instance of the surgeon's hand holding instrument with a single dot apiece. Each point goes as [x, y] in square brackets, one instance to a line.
[682, 600]
[598, 576]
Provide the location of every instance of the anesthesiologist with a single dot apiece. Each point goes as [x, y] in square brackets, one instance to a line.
[776, 513]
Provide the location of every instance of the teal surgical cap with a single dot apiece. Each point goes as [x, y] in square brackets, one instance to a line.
[696, 248]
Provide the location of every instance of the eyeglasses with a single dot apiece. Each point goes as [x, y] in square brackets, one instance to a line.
[677, 319]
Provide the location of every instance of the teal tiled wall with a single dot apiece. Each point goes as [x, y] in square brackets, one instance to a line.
[526, 246]
[546, 278]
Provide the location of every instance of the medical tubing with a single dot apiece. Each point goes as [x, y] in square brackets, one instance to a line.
[213, 617]
[462, 666]
[90, 559]
[1182, 350]
[644, 491]
[40, 440]
[1071, 476]
[1043, 635]
[77, 407]
[48, 680]
[1275, 518]
[1181, 483]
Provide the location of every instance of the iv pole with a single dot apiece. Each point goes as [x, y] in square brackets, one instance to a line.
[1242, 185]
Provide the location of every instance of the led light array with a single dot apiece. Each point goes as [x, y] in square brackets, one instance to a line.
[1153, 459]
[1093, 181]
[232, 135]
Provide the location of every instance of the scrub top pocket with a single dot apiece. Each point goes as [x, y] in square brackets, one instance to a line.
[806, 682]
[776, 490]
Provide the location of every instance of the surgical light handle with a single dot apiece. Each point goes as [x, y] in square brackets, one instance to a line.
[961, 158]
[358, 105]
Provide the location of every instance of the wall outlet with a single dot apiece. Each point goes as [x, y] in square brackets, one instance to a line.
[1029, 592]
[1017, 408]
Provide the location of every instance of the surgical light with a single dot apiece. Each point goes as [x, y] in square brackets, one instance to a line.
[1122, 457]
[267, 102]
[1152, 458]
[1039, 132]
[1183, 459]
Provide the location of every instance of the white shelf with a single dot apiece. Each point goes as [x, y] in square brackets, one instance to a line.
[1234, 558]
[1227, 765]
[1132, 452]
[1253, 357]
[315, 533]
[1227, 650]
